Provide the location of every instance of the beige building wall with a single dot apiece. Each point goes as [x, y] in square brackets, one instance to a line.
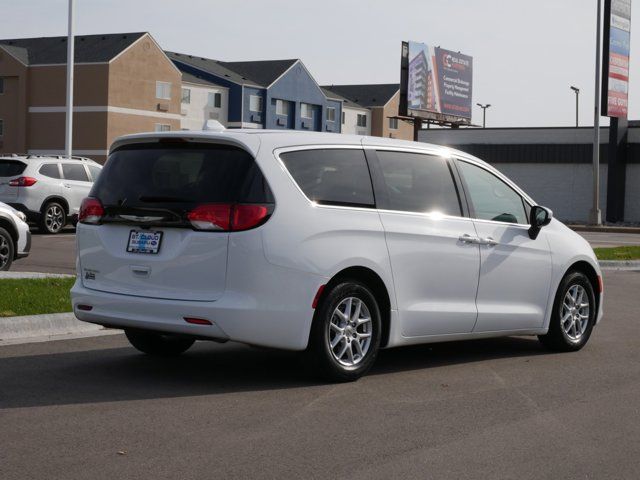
[380, 121]
[13, 104]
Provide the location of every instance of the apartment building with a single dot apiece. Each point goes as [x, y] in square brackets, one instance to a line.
[202, 100]
[273, 94]
[382, 100]
[123, 83]
[356, 119]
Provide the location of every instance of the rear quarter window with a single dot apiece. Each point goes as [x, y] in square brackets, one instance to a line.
[50, 170]
[332, 176]
[11, 168]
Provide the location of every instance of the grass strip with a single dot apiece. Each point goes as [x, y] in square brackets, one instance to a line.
[34, 296]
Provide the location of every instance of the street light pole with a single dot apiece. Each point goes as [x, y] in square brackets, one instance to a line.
[68, 144]
[577, 92]
[484, 113]
[595, 216]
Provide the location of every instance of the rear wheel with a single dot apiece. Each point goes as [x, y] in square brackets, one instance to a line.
[345, 336]
[53, 218]
[7, 250]
[159, 344]
[573, 316]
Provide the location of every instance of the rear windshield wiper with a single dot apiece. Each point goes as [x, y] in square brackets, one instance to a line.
[160, 199]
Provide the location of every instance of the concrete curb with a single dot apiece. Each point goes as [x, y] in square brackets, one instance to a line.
[50, 325]
[619, 264]
[22, 275]
[604, 229]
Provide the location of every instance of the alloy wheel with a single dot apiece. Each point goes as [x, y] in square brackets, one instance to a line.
[574, 318]
[350, 331]
[54, 218]
[5, 252]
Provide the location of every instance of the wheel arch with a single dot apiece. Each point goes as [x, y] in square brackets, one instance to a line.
[379, 289]
[590, 272]
[10, 227]
[56, 198]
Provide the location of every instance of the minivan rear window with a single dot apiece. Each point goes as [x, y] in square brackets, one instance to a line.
[332, 176]
[178, 176]
[11, 168]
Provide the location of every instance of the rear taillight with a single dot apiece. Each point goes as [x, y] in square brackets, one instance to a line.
[22, 182]
[227, 217]
[91, 211]
[244, 217]
[214, 216]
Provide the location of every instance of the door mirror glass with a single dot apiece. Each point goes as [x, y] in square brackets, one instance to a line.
[540, 216]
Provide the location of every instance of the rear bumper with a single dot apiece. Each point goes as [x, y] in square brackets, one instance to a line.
[21, 253]
[275, 317]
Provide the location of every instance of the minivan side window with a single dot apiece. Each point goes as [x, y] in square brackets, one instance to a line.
[491, 198]
[74, 172]
[417, 182]
[50, 170]
[332, 176]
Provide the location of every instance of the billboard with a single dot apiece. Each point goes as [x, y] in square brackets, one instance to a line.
[436, 83]
[615, 73]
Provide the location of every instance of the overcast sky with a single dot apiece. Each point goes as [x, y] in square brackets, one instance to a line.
[526, 53]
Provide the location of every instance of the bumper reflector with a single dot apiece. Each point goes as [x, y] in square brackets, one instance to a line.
[197, 321]
[600, 284]
[316, 299]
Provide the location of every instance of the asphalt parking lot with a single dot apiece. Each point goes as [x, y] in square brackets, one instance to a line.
[505, 408]
[56, 253]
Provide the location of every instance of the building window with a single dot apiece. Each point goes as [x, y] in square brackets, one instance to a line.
[306, 110]
[255, 103]
[362, 120]
[1, 127]
[282, 107]
[163, 90]
[162, 127]
[344, 117]
[214, 99]
[186, 96]
[331, 114]
[393, 123]
[1, 86]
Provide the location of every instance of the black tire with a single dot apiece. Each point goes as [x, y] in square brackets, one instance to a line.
[158, 344]
[557, 339]
[7, 250]
[53, 218]
[323, 359]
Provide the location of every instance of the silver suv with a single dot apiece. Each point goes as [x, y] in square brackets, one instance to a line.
[47, 189]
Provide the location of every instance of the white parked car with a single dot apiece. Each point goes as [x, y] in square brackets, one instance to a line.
[48, 190]
[338, 245]
[15, 238]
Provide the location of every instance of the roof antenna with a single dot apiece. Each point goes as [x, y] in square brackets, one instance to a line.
[213, 126]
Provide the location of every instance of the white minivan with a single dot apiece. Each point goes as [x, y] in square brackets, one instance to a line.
[334, 244]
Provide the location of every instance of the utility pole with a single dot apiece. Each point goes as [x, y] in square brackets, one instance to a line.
[595, 216]
[577, 92]
[484, 113]
[68, 147]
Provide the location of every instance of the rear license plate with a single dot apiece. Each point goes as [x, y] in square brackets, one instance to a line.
[144, 241]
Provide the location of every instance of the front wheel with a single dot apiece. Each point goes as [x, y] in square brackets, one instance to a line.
[7, 250]
[345, 336]
[158, 344]
[573, 316]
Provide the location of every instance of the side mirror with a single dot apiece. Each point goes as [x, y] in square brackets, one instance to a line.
[540, 216]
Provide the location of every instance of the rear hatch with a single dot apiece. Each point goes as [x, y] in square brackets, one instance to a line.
[147, 240]
[9, 170]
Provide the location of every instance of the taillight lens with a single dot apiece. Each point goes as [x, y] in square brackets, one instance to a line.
[212, 216]
[22, 182]
[227, 217]
[245, 217]
[91, 211]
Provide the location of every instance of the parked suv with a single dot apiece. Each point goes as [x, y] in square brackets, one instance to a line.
[334, 244]
[48, 190]
[15, 238]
